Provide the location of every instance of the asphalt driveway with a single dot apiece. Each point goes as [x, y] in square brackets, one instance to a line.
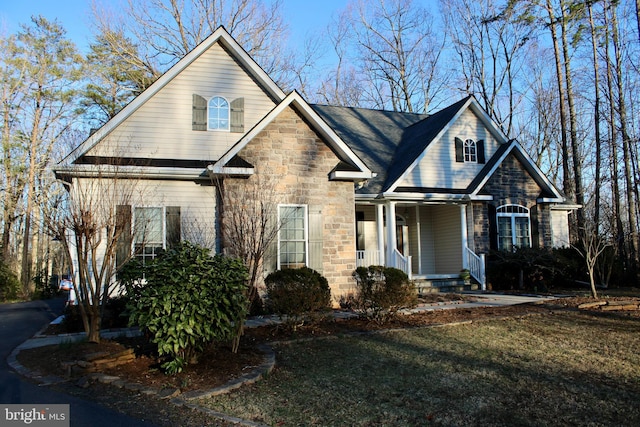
[19, 322]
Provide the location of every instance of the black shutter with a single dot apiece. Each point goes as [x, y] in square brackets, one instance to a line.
[123, 228]
[237, 115]
[173, 226]
[459, 150]
[199, 113]
[480, 151]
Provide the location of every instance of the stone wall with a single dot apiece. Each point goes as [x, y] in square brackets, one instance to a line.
[293, 159]
[511, 184]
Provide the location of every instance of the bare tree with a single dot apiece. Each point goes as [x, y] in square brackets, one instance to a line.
[249, 226]
[591, 248]
[164, 31]
[490, 44]
[89, 221]
[249, 222]
[397, 55]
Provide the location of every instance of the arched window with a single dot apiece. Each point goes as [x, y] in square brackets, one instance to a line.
[514, 227]
[470, 152]
[218, 114]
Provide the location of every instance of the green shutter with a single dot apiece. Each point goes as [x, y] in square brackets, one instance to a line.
[123, 225]
[237, 115]
[316, 228]
[173, 226]
[459, 150]
[199, 113]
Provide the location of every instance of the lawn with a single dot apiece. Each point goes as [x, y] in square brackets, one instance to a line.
[567, 368]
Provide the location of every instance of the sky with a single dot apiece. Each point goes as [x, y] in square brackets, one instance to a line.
[303, 16]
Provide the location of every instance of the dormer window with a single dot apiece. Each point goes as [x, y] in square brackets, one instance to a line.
[469, 151]
[218, 114]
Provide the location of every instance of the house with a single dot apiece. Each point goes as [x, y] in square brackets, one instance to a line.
[429, 194]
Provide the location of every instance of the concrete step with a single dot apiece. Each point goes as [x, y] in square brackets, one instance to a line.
[427, 286]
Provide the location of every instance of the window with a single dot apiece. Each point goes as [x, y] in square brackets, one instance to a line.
[470, 151]
[513, 227]
[148, 232]
[218, 114]
[292, 236]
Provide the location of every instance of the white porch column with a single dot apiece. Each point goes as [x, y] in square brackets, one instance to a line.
[380, 224]
[391, 233]
[463, 224]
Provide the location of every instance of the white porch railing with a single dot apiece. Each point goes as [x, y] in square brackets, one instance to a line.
[367, 258]
[476, 265]
[402, 262]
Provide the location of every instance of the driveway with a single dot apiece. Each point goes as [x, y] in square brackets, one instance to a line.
[19, 322]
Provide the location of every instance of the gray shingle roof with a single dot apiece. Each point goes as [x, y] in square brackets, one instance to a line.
[373, 135]
[388, 142]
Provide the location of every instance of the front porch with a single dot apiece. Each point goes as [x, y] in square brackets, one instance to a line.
[431, 240]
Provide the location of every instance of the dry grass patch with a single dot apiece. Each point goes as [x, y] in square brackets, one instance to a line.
[562, 369]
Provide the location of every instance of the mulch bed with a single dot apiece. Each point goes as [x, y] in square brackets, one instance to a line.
[218, 364]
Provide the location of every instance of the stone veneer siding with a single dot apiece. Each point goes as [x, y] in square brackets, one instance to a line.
[302, 161]
[512, 184]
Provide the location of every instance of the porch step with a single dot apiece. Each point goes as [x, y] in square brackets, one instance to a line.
[429, 286]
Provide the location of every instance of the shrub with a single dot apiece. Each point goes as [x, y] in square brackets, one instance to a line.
[382, 291]
[535, 269]
[9, 283]
[297, 292]
[189, 299]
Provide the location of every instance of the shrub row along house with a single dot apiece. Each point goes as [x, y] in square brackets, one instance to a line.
[429, 194]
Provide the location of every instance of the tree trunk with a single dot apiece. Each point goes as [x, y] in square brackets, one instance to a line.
[626, 143]
[566, 174]
[596, 108]
[573, 131]
[620, 236]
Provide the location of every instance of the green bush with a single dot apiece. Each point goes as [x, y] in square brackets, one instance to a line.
[297, 292]
[382, 291]
[189, 299]
[9, 283]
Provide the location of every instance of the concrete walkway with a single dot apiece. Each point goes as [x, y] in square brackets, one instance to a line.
[481, 300]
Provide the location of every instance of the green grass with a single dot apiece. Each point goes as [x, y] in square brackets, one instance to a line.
[562, 369]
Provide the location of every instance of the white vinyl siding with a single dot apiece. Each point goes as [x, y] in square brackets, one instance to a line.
[447, 239]
[560, 228]
[439, 169]
[162, 127]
